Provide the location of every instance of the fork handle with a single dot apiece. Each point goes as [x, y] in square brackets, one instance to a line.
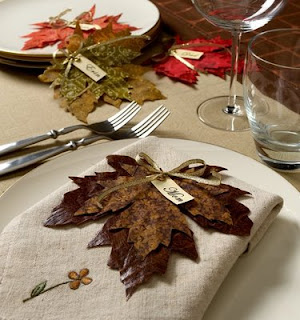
[32, 158]
[52, 134]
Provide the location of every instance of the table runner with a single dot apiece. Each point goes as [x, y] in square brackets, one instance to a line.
[31, 253]
[183, 18]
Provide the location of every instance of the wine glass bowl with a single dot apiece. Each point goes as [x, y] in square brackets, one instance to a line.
[237, 16]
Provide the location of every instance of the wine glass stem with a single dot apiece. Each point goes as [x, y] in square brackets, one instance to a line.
[232, 107]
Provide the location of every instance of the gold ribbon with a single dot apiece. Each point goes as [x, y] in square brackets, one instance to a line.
[54, 21]
[157, 173]
[70, 58]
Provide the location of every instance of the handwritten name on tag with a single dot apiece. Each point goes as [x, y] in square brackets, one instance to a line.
[171, 190]
[188, 54]
[84, 26]
[89, 68]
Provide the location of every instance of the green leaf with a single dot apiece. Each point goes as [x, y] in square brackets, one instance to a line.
[108, 55]
[38, 289]
[74, 84]
[116, 88]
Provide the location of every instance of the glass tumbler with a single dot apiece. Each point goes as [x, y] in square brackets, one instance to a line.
[272, 97]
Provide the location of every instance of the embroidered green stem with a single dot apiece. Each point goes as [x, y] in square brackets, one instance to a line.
[75, 280]
[35, 292]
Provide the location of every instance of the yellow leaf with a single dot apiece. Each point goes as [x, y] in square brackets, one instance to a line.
[134, 71]
[49, 75]
[75, 41]
[115, 102]
[142, 90]
[83, 105]
[107, 34]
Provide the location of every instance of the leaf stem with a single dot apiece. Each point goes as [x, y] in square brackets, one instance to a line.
[48, 289]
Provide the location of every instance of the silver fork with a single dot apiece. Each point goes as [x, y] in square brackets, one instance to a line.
[112, 124]
[140, 130]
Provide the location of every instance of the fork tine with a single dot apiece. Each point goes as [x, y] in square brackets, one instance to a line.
[144, 122]
[155, 115]
[118, 114]
[128, 115]
[153, 125]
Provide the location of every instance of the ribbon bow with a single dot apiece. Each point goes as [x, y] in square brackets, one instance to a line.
[157, 173]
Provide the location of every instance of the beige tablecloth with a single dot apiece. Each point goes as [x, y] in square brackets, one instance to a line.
[27, 108]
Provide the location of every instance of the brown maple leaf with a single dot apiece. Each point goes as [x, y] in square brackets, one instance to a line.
[146, 227]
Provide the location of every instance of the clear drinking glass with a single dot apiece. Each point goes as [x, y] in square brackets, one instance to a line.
[272, 97]
[236, 16]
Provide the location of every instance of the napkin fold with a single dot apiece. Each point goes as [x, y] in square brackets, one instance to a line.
[31, 253]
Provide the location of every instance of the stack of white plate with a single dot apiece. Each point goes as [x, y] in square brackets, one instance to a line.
[17, 17]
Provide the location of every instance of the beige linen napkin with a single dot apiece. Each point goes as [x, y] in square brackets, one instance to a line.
[31, 253]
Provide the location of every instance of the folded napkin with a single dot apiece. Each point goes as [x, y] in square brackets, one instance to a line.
[31, 253]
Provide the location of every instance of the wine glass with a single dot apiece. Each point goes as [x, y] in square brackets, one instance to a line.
[237, 16]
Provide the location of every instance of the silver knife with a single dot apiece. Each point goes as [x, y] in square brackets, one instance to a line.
[27, 160]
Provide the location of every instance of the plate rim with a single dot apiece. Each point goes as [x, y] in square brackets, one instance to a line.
[20, 55]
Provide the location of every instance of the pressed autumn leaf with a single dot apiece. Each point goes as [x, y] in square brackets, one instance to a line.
[113, 54]
[215, 60]
[50, 74]
[142, 89]
[144, 227]
[115, 102]
[107, 33]
[57, 31]
[82, 106]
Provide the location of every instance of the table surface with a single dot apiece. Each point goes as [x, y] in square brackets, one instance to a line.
[28, 108]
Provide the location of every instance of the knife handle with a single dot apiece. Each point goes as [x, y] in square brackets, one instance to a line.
[52, 134]
[32, 158]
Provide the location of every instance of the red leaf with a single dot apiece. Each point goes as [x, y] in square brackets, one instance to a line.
[176, 70]
[215, 60]
[41, 38]
[49, 35]
[218, 41]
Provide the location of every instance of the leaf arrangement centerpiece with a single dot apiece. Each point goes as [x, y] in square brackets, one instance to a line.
[144, 227]
[111, 52]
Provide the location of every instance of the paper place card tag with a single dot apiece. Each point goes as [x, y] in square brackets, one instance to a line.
[188, 54]
[89, 68]
[171, 190]
[84, 26]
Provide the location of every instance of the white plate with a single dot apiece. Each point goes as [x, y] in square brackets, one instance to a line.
[24, 64]
[263, 285]
[16, 17]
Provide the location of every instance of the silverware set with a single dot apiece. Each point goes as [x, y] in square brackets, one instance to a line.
[110, 129]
